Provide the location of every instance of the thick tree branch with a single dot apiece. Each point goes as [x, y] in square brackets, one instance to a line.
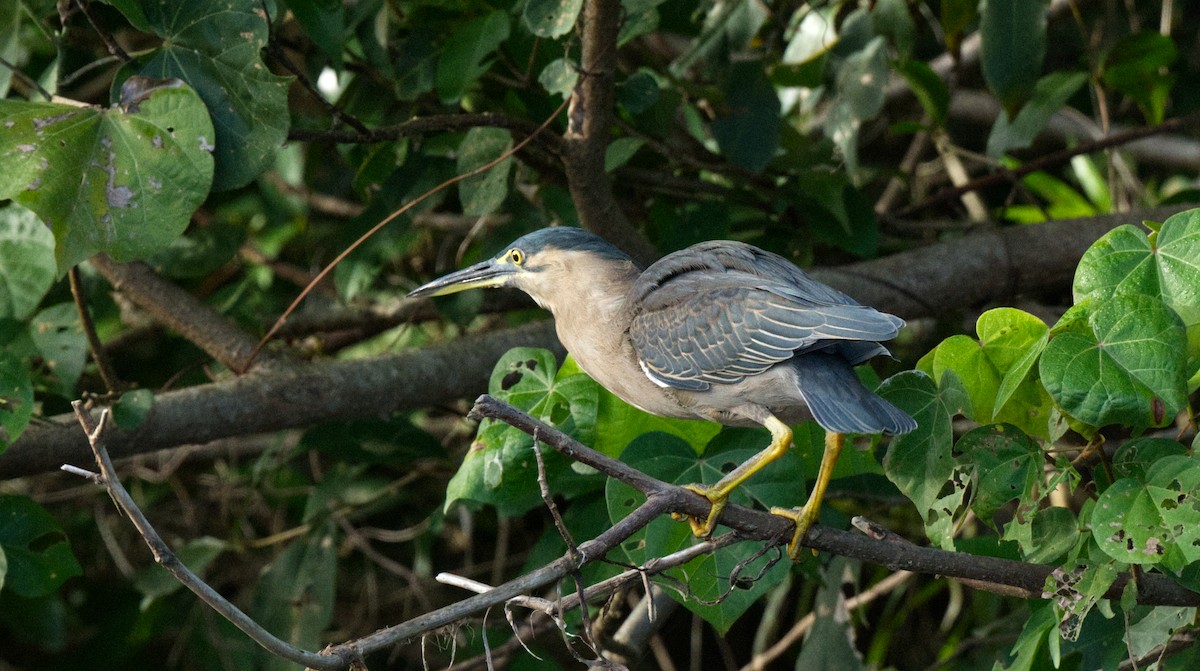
[291, 397]
[179, 310]
[589, 127]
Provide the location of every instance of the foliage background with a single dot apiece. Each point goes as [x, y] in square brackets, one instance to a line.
[225, 152]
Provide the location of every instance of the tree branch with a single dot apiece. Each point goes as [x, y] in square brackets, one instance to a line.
[282, 398]
[179, 310]
[589, 127]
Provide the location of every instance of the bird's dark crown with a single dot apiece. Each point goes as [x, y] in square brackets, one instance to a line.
[567, 239]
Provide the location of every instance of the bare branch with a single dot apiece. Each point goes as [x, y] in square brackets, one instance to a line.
[163, 555]
[179, 310]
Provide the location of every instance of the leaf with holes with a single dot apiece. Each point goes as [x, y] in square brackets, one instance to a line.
[921, 462]
[501, 468]
[215, 46]
[1155, 519]
[38, 555]
[123, 181]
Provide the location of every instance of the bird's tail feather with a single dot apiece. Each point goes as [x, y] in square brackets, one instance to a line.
[839, 401]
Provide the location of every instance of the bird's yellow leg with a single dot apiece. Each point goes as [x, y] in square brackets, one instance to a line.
[806, 516]
[718, 494]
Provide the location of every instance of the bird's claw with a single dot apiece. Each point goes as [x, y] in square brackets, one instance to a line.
[803, 518]
[704, 528]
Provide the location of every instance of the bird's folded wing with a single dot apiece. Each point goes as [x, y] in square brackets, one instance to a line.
[704, 328]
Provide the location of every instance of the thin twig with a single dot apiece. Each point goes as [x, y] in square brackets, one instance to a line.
[103, 365]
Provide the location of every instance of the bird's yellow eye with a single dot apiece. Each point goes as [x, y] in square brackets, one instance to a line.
[516, 257]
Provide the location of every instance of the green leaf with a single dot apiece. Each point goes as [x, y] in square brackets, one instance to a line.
[484, 193]
[58, 335]
[1013, 47]
[26, 262]
[1006, 465]
[293, 598]
[559, 77]
[1032, 638]
[956, 16]
[38, 556]
[707, 578]
[966, 358]
[804, 59]
[1157, 628]
[622, 423]
[1155, 519]
[16, 398]
[1126, 261]
[1055, 531]
[1013, 339]
[501, 469]
[859, 96]
[748, 127]
[215, 46]
[620, 150]
[638, 92]
[1132, 459]
[551, 18]
[1137, 67]
[325, 22]
[1129, 369]
[123, 181]
[1049, 95]
[921, 462]
[839, 215]
[464, 52]
[133, 408]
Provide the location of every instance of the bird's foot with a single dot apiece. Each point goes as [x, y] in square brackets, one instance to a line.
[704, 528]
[803, 518]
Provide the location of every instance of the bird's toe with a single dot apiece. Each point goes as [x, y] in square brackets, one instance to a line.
[803, 518]
[704, 528]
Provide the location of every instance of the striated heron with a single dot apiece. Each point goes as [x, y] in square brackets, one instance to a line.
[722, 331]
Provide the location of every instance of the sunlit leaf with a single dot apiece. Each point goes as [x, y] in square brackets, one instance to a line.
[123, 180]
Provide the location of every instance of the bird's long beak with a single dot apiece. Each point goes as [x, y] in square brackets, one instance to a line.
[486, 274]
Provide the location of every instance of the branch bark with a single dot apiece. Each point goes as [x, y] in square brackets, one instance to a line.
[589, 126]
[296, 396]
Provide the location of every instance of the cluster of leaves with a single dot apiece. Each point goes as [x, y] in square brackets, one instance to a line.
[1125, 355]
[734, 119]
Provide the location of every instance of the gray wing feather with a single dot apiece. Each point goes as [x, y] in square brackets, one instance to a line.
[721, 311]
